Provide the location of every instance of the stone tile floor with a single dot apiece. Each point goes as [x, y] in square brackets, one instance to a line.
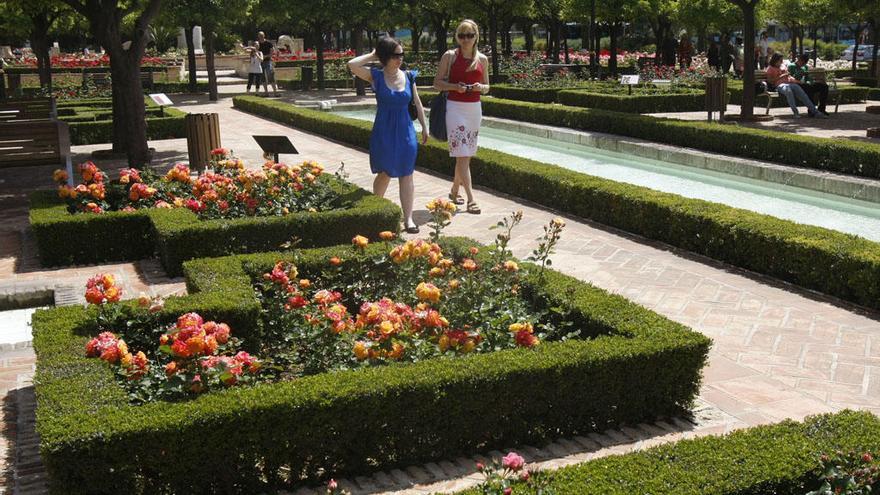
[779, 351]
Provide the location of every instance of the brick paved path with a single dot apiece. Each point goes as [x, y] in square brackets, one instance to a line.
[779, 351]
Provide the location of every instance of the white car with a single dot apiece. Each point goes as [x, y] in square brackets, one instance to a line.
[865, 53]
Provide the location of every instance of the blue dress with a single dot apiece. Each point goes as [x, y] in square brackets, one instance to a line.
[393, 143]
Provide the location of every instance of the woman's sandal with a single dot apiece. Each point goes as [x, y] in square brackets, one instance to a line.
[411, 230]
[456, 199]
[473, 207]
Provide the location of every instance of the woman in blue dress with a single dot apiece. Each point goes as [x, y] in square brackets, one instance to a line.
[393, 143]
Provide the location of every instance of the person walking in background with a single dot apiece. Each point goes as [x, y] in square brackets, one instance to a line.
[685, 51]
[464, 73]
[728, 54]
[255, 68]
[763, 50]
[738, 57]
[817, 91]
[268, 66]
[781, 80]
[393, 143]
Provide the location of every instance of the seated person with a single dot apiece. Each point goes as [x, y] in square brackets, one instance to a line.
[817, 91]
[780, 80]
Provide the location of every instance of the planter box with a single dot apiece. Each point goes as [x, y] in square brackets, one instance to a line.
[178, 235]
[349, 422]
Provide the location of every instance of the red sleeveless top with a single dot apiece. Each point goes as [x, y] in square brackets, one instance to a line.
[459, 73]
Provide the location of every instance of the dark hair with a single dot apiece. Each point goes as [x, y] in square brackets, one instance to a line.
[803, 57]
[776, 57]
[385, 48]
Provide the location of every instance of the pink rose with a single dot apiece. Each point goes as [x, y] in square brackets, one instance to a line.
[513, 461]
[331, 485]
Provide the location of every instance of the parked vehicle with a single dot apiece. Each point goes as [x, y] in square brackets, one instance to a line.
[864, 53]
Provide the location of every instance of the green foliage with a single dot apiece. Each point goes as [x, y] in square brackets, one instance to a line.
[93, 440]
[91, 121]
[781, 459]
[694, 100]
[839, 264]
[178, 235]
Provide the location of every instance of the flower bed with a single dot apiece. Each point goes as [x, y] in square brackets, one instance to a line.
[784, 458]
[821, 259]
[363, 416]
[181, 219]
[78, 62]
[91, 120]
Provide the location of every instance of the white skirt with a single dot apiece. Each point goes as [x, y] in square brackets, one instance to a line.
[463, 127]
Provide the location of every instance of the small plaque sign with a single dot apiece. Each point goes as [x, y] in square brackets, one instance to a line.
[629, 80]
[161, 99]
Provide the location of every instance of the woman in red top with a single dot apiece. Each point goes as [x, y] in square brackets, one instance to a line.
[464, 73]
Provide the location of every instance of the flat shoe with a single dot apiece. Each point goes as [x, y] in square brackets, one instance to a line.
[473, 208]
[412, 230]
[456, 199]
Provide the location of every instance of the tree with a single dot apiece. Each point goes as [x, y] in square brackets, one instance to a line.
[614, 13]
[705, 16]
[748, 8]
[121, 28]
[659, 15]
[793, 15]
[37, 20]
[494, 11]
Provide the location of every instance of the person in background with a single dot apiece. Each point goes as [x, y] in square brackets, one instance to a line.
[468, 79]
[763, 50]
[670, 46]
[817, 91]
[738, 57]
[728, 55]
[255, 67]
[685, 51]
[267, 49]
[393, 142]
[780, 80]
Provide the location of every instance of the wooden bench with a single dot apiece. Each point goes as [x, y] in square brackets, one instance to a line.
[37, 142]
[818, 75]
[24, 109]
[103, 79]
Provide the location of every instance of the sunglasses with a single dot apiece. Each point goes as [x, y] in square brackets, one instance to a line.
[468, 36]
[397, 55]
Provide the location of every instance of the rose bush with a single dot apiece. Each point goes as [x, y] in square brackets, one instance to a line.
[226, 190]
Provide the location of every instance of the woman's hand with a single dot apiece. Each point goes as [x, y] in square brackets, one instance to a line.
[462, 87]
[424, 135]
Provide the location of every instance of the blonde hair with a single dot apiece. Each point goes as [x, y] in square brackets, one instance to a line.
[467, 23]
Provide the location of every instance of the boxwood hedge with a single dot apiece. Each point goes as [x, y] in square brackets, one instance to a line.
[691, 100]
[91, 121]
[178, 235]
[781, 459]
[348, 422]
[828, 261]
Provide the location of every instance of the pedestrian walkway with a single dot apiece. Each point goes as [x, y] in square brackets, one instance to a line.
[779, 352]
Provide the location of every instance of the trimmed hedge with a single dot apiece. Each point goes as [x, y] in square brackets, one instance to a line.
[693, 100]
[636, 103]
[178, 235]
[831, 155]
[831, 262]
[781, 459]
[91, 120]
[349, 422]
[874, 94]
[297, 85]
[871, 82]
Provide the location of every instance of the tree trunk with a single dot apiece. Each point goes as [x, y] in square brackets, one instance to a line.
[855, 58]
[493, 43]
[441, 30]
[801, 40]
[319, 50]
[875, 64]
[564, 30]
[530, 37]
[748, 99]
[191, 57]
[701, 39]
[129, 117]
[209, 63]
[594, 51]
[815, 44]
[357, 40]
[416, 34]
[612, 62]
[40, 45]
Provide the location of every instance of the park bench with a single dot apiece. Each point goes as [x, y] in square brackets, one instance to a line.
[23, 109]
[34, 142]
[818, 75]
[102, 79]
